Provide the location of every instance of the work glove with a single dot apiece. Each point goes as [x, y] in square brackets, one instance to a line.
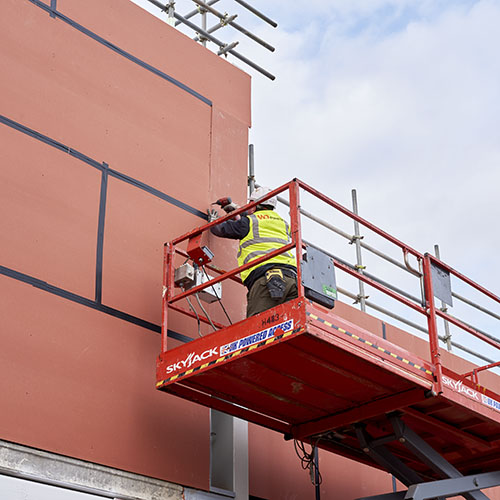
[212, 214]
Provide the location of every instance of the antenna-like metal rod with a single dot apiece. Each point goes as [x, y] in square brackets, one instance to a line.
[257, 13]
[235, 25]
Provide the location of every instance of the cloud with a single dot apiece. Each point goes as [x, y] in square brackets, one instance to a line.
[409, 118]
[399, 99]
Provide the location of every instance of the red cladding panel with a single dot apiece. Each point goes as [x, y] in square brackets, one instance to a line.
[81, 383]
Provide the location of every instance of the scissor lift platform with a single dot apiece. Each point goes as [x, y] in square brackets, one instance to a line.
[306, 372]
[303, 370]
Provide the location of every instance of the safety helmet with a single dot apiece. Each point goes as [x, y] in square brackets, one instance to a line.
[260, 192]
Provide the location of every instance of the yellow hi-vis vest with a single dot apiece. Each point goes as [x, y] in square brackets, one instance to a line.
[268, 231]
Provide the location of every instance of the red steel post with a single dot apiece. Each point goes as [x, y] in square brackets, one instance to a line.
[432, 325]
[168, 280]
[295, 229]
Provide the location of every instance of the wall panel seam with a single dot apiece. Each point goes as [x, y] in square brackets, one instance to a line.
[65, 294]
[100, 166]
[55, 13]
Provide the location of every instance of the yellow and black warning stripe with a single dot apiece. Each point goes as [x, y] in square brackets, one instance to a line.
[228, 356]
[371, 344]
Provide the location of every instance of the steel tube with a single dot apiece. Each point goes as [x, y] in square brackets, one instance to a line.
[473, 304]
[432, 325]
[226, 49]
[209, 266]
[362, 221]
[251, 169]
[257, 13]
[381, 309]
[359, 260]
[443, 308]
[480, 369]
[236, 26]
[215, 27]
[238, 211]
[464, 278]
[345, 235]
[194, 12]
[476, 329]
[491, 341]
[168, 283]
[296, 234]
[228, 274]
[191, 314]
[380, 287]
[414, 325]
[221, 44]
[372, 276]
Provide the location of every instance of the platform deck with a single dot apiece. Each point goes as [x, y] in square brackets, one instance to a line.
[309, 374]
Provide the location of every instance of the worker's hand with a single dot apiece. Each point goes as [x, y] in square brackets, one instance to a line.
[212, 214]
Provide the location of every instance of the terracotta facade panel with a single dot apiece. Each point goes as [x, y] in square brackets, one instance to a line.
[153, 41]
[81, 383]
[50, 205]
[137, 225]
[75, 90]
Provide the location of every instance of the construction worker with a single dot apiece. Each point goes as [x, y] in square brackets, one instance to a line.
[275, 280]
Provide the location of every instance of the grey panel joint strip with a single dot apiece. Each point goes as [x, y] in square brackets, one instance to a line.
[65, 294]
[100, 166]
[100, 234]
[53, 8]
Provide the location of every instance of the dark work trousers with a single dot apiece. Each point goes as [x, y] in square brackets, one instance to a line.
[258, 298]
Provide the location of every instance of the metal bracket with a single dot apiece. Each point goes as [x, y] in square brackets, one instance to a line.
[408, 265]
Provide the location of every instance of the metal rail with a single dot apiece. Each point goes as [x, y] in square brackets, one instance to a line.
[222, 45]
[391, 314]
[355, 237]
[236, 26]
[203, 33]
[257, 13]
[429, 309]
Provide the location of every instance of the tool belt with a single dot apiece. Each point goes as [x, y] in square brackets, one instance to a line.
[275, 282]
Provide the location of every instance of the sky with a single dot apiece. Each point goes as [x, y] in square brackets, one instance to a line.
[398, 99]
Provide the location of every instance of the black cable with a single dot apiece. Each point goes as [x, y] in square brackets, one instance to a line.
[195, 312]
[307, 461]
[218, 298]
[205, 312]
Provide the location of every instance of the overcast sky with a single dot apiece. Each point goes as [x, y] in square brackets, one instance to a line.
[399, 99]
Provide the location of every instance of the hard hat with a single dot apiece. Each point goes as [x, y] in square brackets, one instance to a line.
[260, 192]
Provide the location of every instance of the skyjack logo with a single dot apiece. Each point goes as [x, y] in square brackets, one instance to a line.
[191, 359]
[458, 386]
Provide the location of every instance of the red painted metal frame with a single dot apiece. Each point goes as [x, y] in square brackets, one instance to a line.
[432, 325]
[293, 187]
[477, 370]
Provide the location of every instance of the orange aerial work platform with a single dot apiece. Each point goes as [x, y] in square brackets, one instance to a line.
[304, 371]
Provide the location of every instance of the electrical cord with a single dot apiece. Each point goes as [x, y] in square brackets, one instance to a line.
[307, 461]
[204, 311]
[195, 312]
[218, 298]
